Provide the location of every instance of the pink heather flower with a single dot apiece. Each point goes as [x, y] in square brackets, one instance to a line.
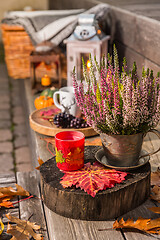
[118, 103]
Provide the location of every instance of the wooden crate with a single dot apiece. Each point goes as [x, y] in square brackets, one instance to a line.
[18, 46]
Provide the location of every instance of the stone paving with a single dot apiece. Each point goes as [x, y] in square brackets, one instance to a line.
[14, 150]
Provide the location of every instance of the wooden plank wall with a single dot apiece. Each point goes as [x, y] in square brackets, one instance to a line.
[136, 36]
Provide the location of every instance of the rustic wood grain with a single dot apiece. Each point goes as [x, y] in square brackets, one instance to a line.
[7, 180]
[70, 229]
[34, 205]
[120, 199]
[137, 32]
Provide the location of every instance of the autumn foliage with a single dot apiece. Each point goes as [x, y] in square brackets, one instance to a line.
[142, 224]
[92, 178]
[23, 229]
[7, 193]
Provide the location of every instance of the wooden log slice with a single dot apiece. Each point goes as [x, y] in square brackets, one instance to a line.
[107, 204]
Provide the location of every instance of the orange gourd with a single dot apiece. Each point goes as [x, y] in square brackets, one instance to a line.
[43, 101]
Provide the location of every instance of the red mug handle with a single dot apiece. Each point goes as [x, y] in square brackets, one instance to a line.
[158, 135]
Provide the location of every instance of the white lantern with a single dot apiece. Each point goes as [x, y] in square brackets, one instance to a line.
[86, 39]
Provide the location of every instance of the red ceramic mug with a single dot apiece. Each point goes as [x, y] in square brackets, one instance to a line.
[69, 147]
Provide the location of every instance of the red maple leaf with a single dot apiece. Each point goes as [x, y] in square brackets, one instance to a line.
[93, 178]
[49, 112]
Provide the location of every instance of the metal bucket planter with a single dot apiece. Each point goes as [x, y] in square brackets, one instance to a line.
[124, 150]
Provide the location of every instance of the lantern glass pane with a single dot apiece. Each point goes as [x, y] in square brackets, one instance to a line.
[85, 56]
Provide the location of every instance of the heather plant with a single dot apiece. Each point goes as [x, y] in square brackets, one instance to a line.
[118, 102]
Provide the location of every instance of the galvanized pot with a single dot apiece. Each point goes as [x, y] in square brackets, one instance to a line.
[124, 150]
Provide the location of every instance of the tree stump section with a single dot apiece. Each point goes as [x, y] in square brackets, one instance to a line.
[107, 204]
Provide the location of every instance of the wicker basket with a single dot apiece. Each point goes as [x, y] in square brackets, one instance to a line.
[18, 46]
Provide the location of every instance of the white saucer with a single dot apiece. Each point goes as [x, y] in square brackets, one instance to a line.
[100, 157]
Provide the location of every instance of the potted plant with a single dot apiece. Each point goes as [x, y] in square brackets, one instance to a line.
[121, 107]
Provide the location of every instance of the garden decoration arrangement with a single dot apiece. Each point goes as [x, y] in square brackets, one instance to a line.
[56, 111]
[121, 107]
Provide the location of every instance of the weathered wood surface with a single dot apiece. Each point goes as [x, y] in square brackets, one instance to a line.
[143, 36]
[24, 209]
[7, 180]
[120, 199]
[32, 208]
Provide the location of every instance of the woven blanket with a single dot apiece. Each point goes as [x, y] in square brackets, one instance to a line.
[52, 25]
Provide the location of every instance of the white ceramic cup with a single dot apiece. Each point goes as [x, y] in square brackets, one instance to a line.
[67, 102]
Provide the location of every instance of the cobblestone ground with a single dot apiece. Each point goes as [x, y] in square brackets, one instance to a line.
[14, 149]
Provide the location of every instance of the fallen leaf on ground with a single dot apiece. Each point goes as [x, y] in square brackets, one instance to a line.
[95, 142]
[40, 161]
[92, 178]
[155, 178]
[155, 193]
[23, 230]
[155, 209]
[142, 224]
[6, 204]
[2, 226]
[7, 193]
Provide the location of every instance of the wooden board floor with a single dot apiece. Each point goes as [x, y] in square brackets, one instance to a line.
[32, 207]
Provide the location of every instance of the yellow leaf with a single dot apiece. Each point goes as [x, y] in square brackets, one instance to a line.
[40, 161]
[2, 226]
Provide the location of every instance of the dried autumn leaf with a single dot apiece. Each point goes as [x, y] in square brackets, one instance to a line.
[155, 193]
[95, 142]
[6, 204]
[92, 178]
[9, 191]
[23, 230]
[155, 209]
[2, 226]
[155, 178]
[142, 224]
[40, 161]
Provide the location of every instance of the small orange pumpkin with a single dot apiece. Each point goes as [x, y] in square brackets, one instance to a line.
[43, 101]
